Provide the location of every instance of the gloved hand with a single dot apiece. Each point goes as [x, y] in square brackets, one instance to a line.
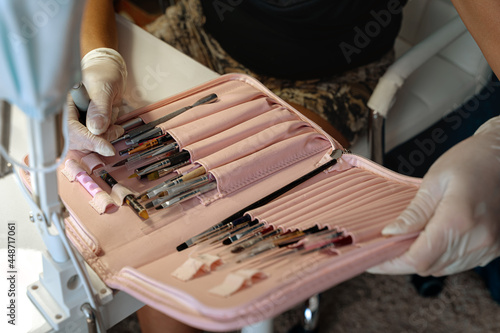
[80, 138]
[458, 209]
[104, 76]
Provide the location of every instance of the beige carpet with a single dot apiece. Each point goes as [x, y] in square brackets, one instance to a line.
[390, 304]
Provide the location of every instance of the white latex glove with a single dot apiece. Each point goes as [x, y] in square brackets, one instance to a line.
[104, 76]
[80, 138]
[458, 209]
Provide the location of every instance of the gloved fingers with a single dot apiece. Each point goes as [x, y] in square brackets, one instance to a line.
[473, 242]
[454, 263]
[478, 257]
[113, 132]
[450, 243]
[104, 75]
[73, 114]
[100, 111]
[411, 261]
[115, 112]
[101, 146]
[416, 215]
[101, 143]
[402, 265]
[81, 139]
[459, 198]
[421, 208]
[414, 218]
[422, 213]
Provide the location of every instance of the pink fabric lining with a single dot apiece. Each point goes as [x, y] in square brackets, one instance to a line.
[239, 132]
[91, 162]
[256, 143]
[215, 123]
[254, 167]
[101, 201]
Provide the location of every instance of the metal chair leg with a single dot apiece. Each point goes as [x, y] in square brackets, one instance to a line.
[311, 314]
[376, 137]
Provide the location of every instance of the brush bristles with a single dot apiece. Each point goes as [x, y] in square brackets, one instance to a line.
[153, 176]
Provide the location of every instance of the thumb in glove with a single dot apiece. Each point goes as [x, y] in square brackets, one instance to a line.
[104, 75]
[80, 138]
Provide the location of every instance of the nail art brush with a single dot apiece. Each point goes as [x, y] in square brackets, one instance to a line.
[130, 200]
[145, 154]
[270, 244]
[190, 175]
[125, 151]
[196, 239]
[151, 153]
[149, 126]
[143, 195]
[180, 157]
[237, 248]
[171, 147]
[151, 157]
[316, 242]
[165, 171]
[151, 144]
[279, 241]
[188, 195]
[297, 252]
[148, 153]
[335, 155]
[179, 189]
[147, 135]
[237, 236]
[128, 125]
[162, 172]
[234, 231]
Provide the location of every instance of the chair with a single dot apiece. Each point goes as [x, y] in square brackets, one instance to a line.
[438, 67]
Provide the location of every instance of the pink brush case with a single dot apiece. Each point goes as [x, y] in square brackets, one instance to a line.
[253, 143]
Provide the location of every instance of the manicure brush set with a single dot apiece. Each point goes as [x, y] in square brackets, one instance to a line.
[225, 206]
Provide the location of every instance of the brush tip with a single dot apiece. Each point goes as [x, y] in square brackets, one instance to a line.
[144, 214]
[149, 205]
[227, 241]
[132, 175]
[237, 249]
[120, 163]
[182, 247]
[153, 176]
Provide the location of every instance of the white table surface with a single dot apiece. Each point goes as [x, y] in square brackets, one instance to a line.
[156, 71]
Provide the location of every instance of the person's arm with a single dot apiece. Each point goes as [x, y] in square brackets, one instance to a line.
[104, 74]
[482, 19]
[98, 26]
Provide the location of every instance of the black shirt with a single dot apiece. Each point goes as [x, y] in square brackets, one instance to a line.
[302, 39]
